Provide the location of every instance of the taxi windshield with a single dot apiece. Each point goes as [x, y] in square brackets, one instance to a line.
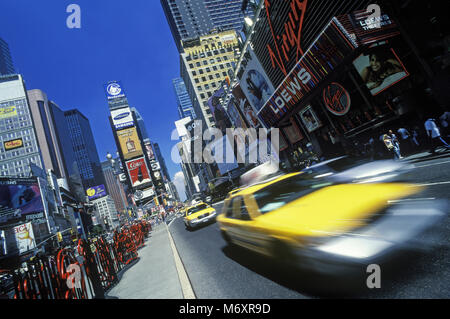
[279, 194]
[196, 209]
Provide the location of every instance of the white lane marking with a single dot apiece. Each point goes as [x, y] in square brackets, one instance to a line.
[186, 287]
[410, 199]
[433, 184]
[432, 164]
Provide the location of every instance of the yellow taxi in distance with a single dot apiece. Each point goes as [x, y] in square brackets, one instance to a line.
[301, 219]
[199, 214]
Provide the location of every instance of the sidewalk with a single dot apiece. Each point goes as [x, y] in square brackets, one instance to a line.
[422, 156]
[154, 275]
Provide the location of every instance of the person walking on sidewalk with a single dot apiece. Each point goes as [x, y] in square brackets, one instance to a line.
[434, 135]
[407, 140]
[387, 140]
[396, 144]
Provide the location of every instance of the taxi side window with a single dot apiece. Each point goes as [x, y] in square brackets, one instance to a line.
[229, 209]
[244, 215]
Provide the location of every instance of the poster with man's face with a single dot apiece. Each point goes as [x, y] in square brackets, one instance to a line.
[245, 107]
[380, 68]
[254, 82]
[309, 119]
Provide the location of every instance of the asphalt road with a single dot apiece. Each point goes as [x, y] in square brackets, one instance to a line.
[217, 271]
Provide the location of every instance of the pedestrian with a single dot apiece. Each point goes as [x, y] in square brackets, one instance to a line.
[415, 136]
[371, 148]
[434, 135]
[387, 140]
[407, 140]
[445, 124]
[396, 144]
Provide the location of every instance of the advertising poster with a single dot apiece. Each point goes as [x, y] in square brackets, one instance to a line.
[235, 115]
[149, 150]
[309, 119]
[122, 118]
[254, 82]
[380, 68]
[129, 143]
[96, 192]
[114, 90]
[138, 172]
[246, 108]
[3, 249]
[24, 237]
[7, 111]
[13, 144]
[218, 112]
[18, 198]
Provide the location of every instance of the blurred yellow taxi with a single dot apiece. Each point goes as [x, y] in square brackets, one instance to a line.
[199, 214]
[299, 218]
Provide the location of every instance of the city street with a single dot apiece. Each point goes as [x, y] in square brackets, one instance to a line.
[217, 271]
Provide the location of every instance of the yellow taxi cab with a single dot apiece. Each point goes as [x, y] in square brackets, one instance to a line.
[199, 214]
[308, 221]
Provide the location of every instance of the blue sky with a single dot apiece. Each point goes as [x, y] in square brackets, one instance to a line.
[129, 41]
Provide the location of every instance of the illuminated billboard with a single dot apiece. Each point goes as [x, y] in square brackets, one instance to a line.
[18, 198]
[380, 68]
[138, 172]
[122, 118]
[96, 192]
[13, 144]
[114, 90]
[129, 143]
[7, 111]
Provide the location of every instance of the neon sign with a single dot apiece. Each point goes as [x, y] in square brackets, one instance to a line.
[290, 38]
[336, 99]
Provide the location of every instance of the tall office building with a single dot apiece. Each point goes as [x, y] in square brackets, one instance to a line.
[83, 145]
[46, 132]
[191, 19]
[114, 186]
[6, 64]
[140, 123]
[161, 161]
[19, 145]
[205, 63]
[185, 108]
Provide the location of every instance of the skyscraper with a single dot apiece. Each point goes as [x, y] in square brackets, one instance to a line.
[191, 19]
[19, 145]
[185, 108]
[83, 145]
[6, 64]
[115, 188]
[46, 132]
[161, 161]
[205, 64]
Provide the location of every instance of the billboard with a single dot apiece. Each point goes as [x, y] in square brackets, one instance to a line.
[309, 119]
[138, 172]
[254, 82]
[129, 143]
[235, 115]
[380, 68]
[246, 108]
[218, 112]
[7, 111]
[13, 144]
[18, 198]
[96, 192]
[24, 237]
[122, 118]
[149, 150]
[114, 90]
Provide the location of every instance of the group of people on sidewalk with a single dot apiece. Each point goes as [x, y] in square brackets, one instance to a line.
[436, 131]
